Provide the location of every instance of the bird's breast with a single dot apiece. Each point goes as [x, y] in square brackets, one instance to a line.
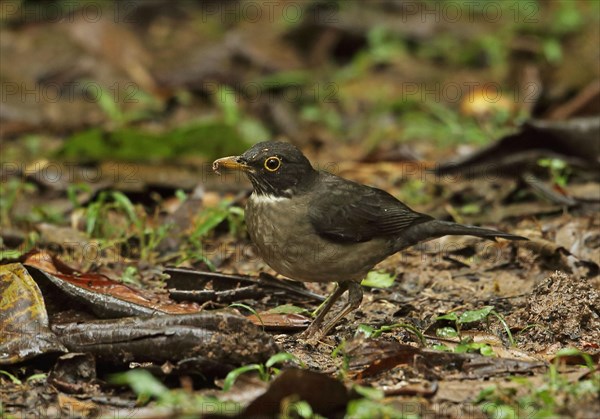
[286, 240]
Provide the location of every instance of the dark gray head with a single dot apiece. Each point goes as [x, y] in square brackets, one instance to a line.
[274, 168]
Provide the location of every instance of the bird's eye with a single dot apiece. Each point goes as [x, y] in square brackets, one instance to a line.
[272, 163]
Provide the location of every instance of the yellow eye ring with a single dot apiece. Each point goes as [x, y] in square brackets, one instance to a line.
[272, 163]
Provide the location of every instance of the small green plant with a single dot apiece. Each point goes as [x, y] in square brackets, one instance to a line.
[147, 387]
[250, 309]
[550, 399]
[378, 279]
[96, 213]
[31, 378]
[248, 127]
[292, 409]
[74, 189]
[10, 191]
[210, 218]
[265, 371]
[374, 407]
[552, 50]
[11, 253]
[322, 114]
[559, 170]
[11, 377]
[371, 332]
[205, 223]
[30, 241]
[445, 126]
[131, 275]
[470, 316]
[467, 345]
[371, 405]
[567, 18]
[98, 224]
[340, 351]
[37, 377]
[112, 101]
[384, 45]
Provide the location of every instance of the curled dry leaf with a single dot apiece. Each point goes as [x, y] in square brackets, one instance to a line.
[23, 318]
[105, 297]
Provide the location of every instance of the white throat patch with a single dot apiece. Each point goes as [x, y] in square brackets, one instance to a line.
[267, 199]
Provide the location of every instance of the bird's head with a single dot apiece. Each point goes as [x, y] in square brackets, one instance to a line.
[275, 169]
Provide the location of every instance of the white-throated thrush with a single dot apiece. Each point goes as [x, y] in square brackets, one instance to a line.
[314, 226]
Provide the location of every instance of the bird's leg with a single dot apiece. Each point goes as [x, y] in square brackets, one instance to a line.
[326, 305]
[324, 308]
[355, 294]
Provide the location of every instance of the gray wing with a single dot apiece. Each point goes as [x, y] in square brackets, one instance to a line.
[345, 211]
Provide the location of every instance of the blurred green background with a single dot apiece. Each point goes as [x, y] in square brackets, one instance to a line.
[188, 81]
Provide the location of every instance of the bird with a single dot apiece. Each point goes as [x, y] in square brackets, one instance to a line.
[314, 226]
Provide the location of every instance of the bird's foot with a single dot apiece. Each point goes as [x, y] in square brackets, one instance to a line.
[318, 328]
[312, 335]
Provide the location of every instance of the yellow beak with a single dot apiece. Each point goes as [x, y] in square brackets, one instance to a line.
[230, 163]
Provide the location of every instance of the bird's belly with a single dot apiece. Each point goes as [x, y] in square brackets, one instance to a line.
[288, 243]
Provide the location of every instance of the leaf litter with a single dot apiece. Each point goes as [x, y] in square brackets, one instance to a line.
[405, 349]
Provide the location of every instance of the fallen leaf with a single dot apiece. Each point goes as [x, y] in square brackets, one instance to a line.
[23, 318]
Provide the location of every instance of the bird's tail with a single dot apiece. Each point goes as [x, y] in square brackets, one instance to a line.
[433, 229]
